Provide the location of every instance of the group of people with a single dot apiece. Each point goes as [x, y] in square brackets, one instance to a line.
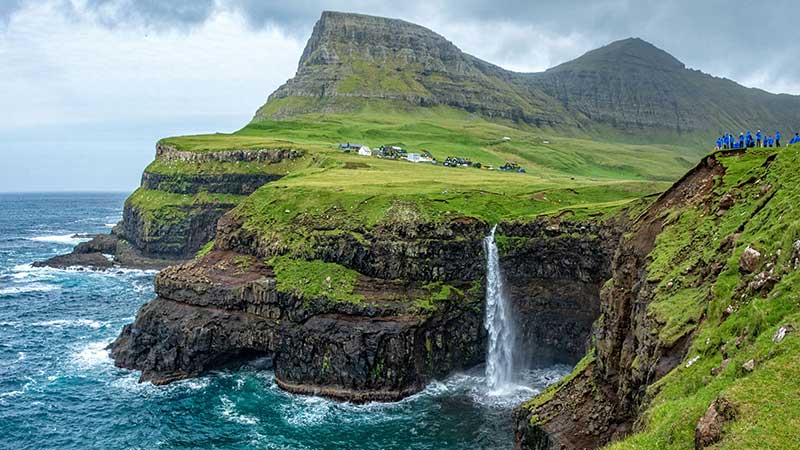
[750, 140]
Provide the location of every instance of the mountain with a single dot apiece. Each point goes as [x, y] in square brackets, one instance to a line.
[628, 87]
[354, 56]
[633, 85]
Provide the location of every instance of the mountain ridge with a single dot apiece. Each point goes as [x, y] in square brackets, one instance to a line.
[628, 86]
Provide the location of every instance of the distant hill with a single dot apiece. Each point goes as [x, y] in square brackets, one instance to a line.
[627, 88]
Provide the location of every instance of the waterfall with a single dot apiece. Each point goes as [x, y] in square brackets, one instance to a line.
[499, 359]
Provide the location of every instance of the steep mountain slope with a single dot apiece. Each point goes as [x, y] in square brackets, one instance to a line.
[697, 343]
[626, 90]
[633, 86]
[353, 56]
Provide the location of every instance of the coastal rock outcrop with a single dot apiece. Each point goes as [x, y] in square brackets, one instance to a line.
[606, 395]
[176, 209]
[415, 313]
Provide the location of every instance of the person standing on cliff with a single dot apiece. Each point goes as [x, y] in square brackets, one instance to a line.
[777, 139]
[758, 138]
[741, 140]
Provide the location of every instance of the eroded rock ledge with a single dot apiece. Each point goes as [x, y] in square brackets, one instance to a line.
[212, 312]
[226, 308]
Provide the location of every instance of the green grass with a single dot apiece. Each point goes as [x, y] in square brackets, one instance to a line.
[316, 279]
[328, 189]
[766, 398]
[152, 200]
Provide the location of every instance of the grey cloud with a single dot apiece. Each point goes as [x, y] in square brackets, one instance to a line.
[730, 38]
[7, 9]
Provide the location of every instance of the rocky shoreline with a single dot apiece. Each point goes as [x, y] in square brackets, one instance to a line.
[225, 309]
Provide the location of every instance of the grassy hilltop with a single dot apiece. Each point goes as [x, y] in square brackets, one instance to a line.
[562, 173]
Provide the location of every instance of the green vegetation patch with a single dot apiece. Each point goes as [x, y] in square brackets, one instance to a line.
[738, 323]
[316, 279]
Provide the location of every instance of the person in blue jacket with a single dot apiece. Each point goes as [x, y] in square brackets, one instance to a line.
[777, 139]
[770, 141]
[726, 141]
[758, 138]
[796, 138]
[741, 140]
[719, 143]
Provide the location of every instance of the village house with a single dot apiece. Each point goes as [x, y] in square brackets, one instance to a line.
[417, 158]
[348, 147]
[365, 151]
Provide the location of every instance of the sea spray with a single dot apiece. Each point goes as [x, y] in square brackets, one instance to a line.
[499, 323]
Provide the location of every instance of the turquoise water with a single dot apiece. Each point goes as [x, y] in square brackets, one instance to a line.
[59, 389]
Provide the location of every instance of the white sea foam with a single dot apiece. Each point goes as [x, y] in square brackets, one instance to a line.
[18, 392]
[61, 323]
[305, 411]
[110, 225]
[92, 354]
[229, 412]
[66, 239]
[27, 270]
[23, 289]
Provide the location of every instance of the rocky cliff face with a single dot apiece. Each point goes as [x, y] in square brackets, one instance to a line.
[175, 211]
[600, 402]
[225, 309]
[554, 271]
[396, 333]
[694, 306]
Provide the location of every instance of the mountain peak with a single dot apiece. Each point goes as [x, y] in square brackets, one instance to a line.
[340, 35]
[626, 52]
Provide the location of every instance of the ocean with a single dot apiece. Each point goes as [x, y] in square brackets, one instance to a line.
[60, 390]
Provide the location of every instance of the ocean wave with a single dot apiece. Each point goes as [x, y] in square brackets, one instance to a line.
[229, 413]
[307, 411]
[92, 354]
[61, 323]
[27, 270]
[129, 381]
[110, 225]
[18, 392]
[33, 287]
[66, 239]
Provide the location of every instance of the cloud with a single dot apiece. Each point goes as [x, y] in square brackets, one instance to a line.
[86, 79]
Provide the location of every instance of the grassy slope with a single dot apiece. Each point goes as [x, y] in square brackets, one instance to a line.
[348, 193]
[767, 398]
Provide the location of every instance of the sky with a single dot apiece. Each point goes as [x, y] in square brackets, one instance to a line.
[89, 86]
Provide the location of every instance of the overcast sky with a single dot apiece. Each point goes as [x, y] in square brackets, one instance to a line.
[88, 86]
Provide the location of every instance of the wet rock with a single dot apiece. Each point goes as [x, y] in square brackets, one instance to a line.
[709, 429]
[748, 262]
[93, 261]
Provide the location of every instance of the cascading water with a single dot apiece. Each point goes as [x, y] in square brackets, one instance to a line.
[499, 324]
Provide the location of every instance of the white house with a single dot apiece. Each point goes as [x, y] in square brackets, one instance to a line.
[417, 158]
[365, 151]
